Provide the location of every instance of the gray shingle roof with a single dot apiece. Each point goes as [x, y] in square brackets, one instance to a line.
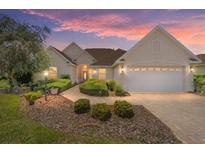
[105, 56]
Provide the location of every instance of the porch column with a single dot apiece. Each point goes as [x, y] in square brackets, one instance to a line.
[77, 77]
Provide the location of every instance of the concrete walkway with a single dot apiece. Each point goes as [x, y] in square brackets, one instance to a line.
[184, 113]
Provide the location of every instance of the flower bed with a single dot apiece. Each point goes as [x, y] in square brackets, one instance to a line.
[144, 127]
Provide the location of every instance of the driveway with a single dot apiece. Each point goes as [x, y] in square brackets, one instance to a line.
[184, 113]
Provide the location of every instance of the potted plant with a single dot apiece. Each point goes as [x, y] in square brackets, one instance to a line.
[54, 90]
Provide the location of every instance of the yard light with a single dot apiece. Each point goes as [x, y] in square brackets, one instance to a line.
[46, 78]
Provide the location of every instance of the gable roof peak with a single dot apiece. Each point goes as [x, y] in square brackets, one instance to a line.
[158, 27]
[167, 34]
[72, 43]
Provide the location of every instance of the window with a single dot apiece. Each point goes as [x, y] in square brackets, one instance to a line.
[102, 74]
[90, 73]
[164, 69]
[157, 68]
[52, 73]
[178, 69]
[143, 69]
[150, 69]
[137, 69]
[171, 69]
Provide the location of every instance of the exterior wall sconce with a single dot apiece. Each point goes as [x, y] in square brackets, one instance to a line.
[85, 66]
[192, 69]
[122, 69]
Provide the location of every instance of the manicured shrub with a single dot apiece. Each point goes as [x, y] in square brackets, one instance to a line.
[82, 106]
[37, 86]
[94, 87]
[101, 111]
[119, 91]
[111, 84]
[199, 82]
[61, 84]
[32, 96]
[65, 76]
[123, 109]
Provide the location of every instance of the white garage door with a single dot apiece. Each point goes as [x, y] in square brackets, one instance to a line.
[154, 79]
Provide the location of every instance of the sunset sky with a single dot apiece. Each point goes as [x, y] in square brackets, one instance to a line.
[115, 28]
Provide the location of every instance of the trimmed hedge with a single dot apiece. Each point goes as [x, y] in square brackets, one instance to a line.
[38, 85]
[94, 87]
[123, 109]
[101, 111]
[32, 96]
[111, 84]
[199, 83]
[61, 84]
[65, 76]
[119, 91]
[82, 106]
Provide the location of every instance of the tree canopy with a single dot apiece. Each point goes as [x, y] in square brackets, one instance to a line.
[22, 48]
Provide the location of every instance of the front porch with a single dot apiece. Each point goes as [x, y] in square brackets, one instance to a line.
[85, 72]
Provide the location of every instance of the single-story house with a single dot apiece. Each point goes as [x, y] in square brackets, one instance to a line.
[199, 69]
[156, 63]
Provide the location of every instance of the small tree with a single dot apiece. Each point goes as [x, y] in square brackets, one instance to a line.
[21, 48]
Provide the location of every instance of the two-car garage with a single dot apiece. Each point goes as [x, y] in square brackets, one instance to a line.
[155, 78]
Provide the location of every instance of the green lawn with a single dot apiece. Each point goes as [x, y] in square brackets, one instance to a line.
[15, 128]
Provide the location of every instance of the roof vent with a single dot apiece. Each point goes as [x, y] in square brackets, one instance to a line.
[122, 59]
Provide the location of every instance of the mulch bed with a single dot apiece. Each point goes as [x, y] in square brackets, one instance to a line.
[58, 113]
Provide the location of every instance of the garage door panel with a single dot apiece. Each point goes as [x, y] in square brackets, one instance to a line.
[154, 81]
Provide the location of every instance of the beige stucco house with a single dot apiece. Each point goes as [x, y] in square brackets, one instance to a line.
[156, 63]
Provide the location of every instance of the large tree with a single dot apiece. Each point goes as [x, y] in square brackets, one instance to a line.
[21, 48]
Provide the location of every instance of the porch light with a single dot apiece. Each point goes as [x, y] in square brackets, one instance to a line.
[192, 69]
[122, 70]
[45, 74]
[85, 66]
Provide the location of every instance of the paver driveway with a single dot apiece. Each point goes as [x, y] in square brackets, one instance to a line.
[184, 113]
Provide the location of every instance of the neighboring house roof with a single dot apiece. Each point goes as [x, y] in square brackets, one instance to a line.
[63, 54]
[105, 56]
[202, 57]
[193, 58]
[78, 55]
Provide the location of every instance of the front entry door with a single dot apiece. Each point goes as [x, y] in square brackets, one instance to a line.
[85, 75]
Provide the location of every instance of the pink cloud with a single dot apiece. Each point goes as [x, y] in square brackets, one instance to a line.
[102, 25]
[40, 13]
